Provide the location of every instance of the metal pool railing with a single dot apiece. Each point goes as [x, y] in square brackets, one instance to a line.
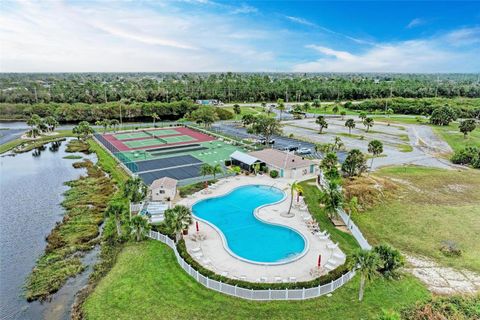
[253, 294]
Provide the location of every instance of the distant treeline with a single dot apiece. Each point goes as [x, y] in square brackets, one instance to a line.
[229, 87]
[65, 112]
[466, 108]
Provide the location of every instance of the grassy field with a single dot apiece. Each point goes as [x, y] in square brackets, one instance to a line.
[247, 110]
[147, 283]
[455, 138]
[312, 197]
[431, 205]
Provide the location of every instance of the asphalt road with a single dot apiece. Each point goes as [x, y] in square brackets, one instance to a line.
[281, 142]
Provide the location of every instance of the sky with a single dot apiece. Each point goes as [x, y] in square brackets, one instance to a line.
[239, 36]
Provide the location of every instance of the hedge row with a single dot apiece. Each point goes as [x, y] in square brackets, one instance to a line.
[331, 276]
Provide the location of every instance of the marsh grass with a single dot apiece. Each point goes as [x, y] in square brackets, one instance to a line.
[84, 203]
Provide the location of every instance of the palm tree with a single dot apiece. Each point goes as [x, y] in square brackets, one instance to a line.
[216, 169]
[375, 147]
[281, 107]
[316, 103]
[51, 122]
[294, 187]
[134, 189]
[368, 122]
[116, 211]
[335, 109]
[154, 117]
[139, 226]
[329, 162]
[350, 124]
[114, 123]
[33, 123]
[332, 199]
[366, 262]
[206, 170]
[338, 143]
[178, 219]
[321, 122]
[343, 113]
[362, 115]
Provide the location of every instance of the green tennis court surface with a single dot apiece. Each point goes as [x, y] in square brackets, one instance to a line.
[212, 152]
[157, 141]
[143, 134]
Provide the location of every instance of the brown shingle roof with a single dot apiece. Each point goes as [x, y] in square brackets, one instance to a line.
[165, 182]
[281, 159]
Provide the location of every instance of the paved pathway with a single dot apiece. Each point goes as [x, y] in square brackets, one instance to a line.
[443, 280]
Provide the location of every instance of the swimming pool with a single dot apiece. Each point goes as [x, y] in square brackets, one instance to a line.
[244, 235]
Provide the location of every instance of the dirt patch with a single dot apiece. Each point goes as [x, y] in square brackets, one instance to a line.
[443, 280]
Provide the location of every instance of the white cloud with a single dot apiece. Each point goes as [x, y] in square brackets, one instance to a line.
[415, 23]
[421, 55]
[244, 9]
[56, 36]
[299, 20]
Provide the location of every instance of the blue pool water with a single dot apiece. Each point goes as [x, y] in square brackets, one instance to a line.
[245, 235]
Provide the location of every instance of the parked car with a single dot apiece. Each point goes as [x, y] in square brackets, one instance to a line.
[304, 150]
[264, 141]
[291, 148]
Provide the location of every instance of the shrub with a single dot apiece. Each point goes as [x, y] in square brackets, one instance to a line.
[192, 188]
[391, 258]
[228, 163]
[274, 174]
[443, 116]
[454, 307]
[467, 156]
[450, 248]
[223, 114]
[333, 275]
[389, 315]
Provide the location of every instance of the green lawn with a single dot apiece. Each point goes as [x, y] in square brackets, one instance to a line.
[431, 205]
[147, 283]
[455, 138]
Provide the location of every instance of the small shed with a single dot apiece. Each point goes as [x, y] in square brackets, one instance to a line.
[244, 160]
[163, 189]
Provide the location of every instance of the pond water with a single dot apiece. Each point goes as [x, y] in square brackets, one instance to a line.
[31, 190]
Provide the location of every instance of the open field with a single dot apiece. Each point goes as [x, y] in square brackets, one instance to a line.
[147, 283]
[431, 205]
[454, 137]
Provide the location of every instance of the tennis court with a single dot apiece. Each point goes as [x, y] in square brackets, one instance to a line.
[145, 134]
[154, 141]
[176, 152]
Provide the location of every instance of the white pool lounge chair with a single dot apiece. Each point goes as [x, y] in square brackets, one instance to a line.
[278, 279]
[323, 238]
[207, 261]
[196, 249]
[332, 246]
[243, 278]
[224, 273]
[338, 256]
[292, 279]
[263, 279]
[329, 266]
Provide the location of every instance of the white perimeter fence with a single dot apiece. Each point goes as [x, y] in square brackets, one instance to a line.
[253, 294]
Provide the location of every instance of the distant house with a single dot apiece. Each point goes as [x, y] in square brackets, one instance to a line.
[288, 165]
[163, 189]
[245, 161]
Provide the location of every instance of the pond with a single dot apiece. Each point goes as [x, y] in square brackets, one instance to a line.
[31, 190]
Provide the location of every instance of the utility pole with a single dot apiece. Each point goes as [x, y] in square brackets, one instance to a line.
[36, 96]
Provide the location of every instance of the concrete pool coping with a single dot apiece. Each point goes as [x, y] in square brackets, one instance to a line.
[255, 214]
[217, 259]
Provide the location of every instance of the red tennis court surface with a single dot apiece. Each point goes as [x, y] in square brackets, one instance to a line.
[182, 131]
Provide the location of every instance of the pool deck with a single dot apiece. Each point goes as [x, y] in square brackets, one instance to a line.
[212, 254]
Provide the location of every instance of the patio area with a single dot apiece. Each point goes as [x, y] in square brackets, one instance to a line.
[207, 247]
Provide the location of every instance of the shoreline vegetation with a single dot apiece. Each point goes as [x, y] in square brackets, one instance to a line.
[78, 232]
